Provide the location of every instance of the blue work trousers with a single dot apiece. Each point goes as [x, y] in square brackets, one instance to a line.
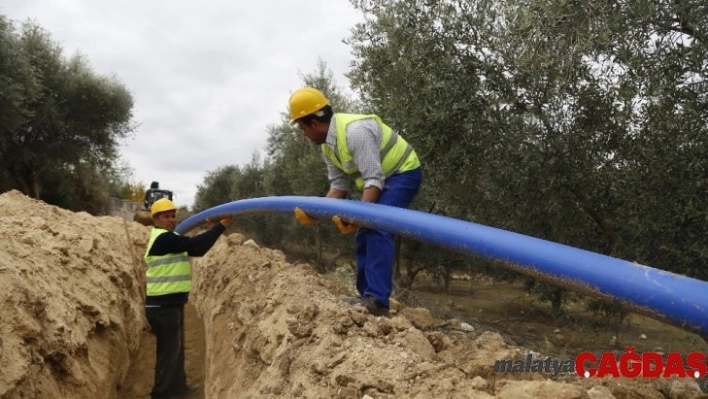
[375, 251]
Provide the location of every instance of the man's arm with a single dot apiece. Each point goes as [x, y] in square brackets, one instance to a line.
[371, 194]
[339, 182]
[169, 243]
[336, 193]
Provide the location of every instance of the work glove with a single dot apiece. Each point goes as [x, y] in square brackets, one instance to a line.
[303, 218]
[343, 226]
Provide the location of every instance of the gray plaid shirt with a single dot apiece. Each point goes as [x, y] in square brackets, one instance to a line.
[363, 141]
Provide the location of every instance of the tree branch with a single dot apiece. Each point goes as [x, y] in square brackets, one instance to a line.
[684, 28]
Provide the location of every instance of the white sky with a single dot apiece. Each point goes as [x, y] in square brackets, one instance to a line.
[207, 77]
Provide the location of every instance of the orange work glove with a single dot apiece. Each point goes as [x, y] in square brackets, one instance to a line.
[343, 226]
[302, 217]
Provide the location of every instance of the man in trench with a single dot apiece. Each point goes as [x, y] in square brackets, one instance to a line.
[381, 164]
[169, 280]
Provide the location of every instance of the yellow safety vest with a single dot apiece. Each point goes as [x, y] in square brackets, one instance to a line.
[167, 274]
[396, 154]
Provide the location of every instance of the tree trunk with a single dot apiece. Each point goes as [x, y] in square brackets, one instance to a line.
[320, 250]
[331, 264]
[409, 259]
[36, 186]
[397, 267]
[556, 302]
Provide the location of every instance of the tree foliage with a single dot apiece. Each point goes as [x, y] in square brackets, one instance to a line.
[60, 122]
[292, 166]
[583, 123]
[580, 122]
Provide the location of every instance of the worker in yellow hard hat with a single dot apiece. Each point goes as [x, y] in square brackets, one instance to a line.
[169, 280]
[363, 152]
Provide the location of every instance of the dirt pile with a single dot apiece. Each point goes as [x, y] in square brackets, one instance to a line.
[73, 326]
[279, 330]
[71, 313]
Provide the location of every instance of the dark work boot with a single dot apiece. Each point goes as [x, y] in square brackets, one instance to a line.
[374, 307]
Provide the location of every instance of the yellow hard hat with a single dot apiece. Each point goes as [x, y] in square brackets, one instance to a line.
[306, 101]
[162, 205]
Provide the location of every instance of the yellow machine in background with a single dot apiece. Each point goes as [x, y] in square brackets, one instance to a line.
[153, 194]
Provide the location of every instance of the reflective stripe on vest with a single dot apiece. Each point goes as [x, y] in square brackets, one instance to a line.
[167, 274]
[396, 154]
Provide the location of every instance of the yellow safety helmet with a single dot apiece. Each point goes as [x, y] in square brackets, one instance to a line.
[306, 101]
[162, 205]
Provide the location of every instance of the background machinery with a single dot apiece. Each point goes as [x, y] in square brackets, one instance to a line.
[152, 194]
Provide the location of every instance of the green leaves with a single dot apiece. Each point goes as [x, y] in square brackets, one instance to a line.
[579, 122]
[57, 117]
[292, 166]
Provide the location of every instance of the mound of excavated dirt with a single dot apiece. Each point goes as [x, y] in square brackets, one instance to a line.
[278, 330]
[71, 294]
[72, 320]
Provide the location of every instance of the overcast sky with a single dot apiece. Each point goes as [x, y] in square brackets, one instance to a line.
[207, 77]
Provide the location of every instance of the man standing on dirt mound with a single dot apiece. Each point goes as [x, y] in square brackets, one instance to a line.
[169, 280]
[381, 164]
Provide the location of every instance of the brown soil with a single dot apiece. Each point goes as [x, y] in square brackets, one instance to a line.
[521, 318]
[73, 326]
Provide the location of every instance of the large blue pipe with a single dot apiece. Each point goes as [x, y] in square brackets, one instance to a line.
[665, 296]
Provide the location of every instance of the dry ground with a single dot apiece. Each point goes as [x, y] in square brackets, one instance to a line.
[258, 326]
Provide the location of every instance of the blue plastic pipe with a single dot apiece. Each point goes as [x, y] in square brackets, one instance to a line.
[672, 298]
